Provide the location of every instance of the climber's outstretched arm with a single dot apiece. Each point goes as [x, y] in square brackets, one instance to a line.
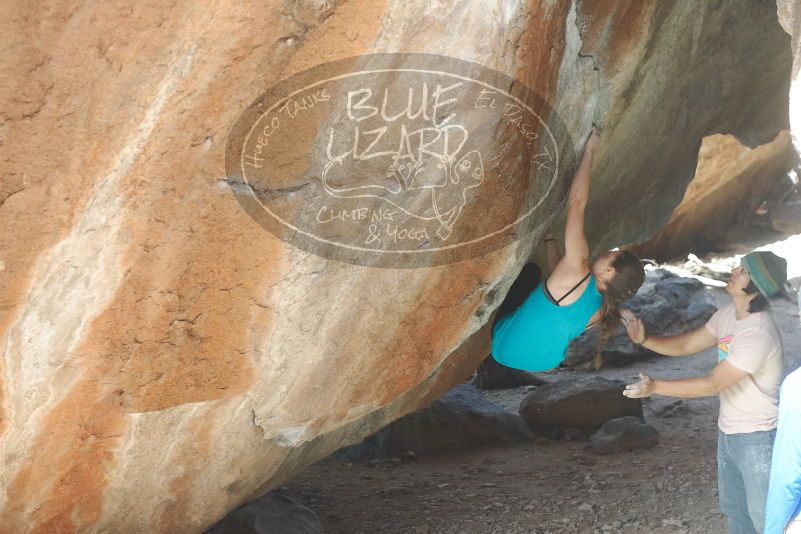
[577, 251]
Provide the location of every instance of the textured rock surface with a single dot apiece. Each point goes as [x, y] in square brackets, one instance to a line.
[647, 125]
[666, 303]
[164, 359]
[461, 420]
[731, 181]
[584, 403]
[624, 434]
[789, 13]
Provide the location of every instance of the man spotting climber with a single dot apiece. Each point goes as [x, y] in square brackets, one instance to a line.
[746, 377]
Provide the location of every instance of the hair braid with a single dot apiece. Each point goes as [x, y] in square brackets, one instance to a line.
[629, 276]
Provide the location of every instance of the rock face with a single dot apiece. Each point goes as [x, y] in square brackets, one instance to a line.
[789, 13]
[666, 303]
[165, 359]
[461, 420]
[584, 403]
[730, 183]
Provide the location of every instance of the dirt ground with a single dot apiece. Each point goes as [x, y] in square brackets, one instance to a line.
[547, 486]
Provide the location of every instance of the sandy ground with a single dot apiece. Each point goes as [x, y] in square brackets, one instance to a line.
[549, 486]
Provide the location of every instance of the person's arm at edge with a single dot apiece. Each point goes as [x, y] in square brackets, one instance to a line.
[784, 492]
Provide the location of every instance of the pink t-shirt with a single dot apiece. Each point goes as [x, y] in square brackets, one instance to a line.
[752, 344]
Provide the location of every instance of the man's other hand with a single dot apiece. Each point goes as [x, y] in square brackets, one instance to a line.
[643, 388]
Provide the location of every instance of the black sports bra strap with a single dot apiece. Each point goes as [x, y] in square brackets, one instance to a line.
[591, 324]
[574, 288]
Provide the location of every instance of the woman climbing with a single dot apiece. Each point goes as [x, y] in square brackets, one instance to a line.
[536, 321]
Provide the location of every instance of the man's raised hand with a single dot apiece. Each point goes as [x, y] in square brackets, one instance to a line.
[634, 327]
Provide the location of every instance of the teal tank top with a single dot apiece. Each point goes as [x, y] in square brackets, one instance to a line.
[535, 336]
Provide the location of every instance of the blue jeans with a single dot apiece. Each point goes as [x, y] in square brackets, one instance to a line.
[743, 477]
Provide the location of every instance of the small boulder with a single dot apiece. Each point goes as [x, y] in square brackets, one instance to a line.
[624, 434]
[462, 419]
[586, 403]
[673, 408]
[270, 514]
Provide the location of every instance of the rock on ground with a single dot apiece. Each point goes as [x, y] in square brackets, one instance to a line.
[624, 434]
[585, 403]
[672, 408]
[270, 514]
[461, 420]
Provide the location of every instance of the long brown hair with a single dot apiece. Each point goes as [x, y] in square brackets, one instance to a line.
[629, 276]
